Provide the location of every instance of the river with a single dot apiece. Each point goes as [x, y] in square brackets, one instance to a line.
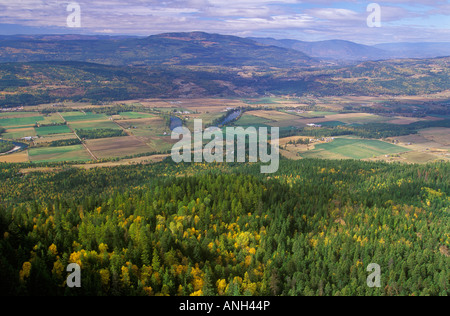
[18, 146]
[230, 117]
[175, 122]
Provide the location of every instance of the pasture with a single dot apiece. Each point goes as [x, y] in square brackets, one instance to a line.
[52, 118]
[274, 115]
[16, 134]
[250, 120]
[354, 148]
[84, 117]
[135, 115]
[59, 154]
[52, 130]
[27, 121]
[93, 125]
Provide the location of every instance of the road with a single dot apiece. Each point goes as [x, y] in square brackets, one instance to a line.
[82, 142]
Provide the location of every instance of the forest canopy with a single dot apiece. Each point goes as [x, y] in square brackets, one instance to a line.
[204, 229]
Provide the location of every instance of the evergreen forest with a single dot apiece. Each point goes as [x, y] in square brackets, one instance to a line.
[311, 229]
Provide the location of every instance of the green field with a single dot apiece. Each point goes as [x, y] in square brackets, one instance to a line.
[263, 101]
[84, 117]
[94, 125]
[59, 154]
[135, 115]
[53, 118]
[316, 114]
[12, 114]
[71, 113]
[332, 123]
[251, 120]
[20, 121]
[51, 130]
[352, 148]
[19, 133]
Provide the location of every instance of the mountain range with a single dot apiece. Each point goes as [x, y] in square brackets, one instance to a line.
[339, 50]
[185, 49]
[204, 49]
[52, 68]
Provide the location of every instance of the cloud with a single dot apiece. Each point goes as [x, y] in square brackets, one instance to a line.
[307, 20]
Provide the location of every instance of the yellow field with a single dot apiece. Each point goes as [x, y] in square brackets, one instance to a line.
[438, 135]
[51, 138]
[117, 147]
[293, 151]
[428, 145]
[133, 161]
[15, 158]
[274, 115]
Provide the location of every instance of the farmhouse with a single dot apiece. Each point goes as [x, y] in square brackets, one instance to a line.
[314, 125]
[28, 138]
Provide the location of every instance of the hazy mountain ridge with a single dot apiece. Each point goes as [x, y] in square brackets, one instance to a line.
[193, 49]
[416, 50]
[350, 51]
[204, 49]
[332, 49]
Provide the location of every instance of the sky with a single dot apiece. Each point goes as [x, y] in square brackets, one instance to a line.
[400, 20]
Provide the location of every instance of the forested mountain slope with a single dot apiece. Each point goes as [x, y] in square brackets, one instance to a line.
[149, 230]
[194, 49]
[47, 82]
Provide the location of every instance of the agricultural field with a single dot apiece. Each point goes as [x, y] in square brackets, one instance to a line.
[302, 119]
[18, 157]
[353, 148]
[438, 135]
[59, 154]
[92, 125]
[274, 115]
[53, 118]
[153, 132]
[17, 122]
[201, 106]
[290, 149]
[117, 147]
[146, 124]
[16, 114]
[250, 120]
[135, 115]
[427, 145]
[53, 137]
[52, 130]
[207, 118]
[72, 117]
[313, 114]
[18, 133]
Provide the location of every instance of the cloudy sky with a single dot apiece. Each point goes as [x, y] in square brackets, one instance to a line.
[401, 20]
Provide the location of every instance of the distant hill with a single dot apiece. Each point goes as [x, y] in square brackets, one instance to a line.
[204, 49]
[48, 82]
[416, 50]
[187, 49]
[330, 50]
[350, 51]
